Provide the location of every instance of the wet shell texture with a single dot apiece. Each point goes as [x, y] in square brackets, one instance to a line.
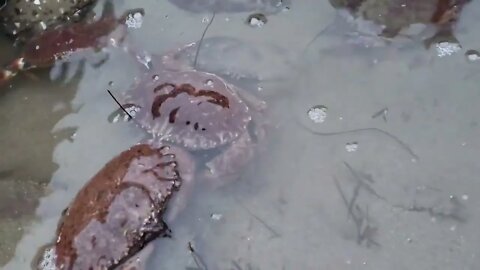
[194, 109]
[21, 15]
[117, 212]
[232, 6]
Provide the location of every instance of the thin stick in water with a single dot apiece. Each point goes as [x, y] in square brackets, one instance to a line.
[274, 233]
[383, 112]
[201, 40]
[370, 129]
[120, 105]
[196, 258]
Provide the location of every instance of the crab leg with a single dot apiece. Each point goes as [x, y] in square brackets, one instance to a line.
[10, 71]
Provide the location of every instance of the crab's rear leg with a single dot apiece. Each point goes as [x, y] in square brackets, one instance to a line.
[140, 260]
[227, 166]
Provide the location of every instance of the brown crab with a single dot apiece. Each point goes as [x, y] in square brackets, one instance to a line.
[198, 111]
[61, 42]
[119, 211]
[115, 216]
[393, 16]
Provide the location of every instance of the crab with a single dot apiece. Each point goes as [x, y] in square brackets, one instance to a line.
[220, 123]
[389, 18]
[200, 127]
[119, 211]
[65, 41]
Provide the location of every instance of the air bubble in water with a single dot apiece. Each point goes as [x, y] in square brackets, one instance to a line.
[351, 146]
[447, 48]
[472, 55]
[317, 113]
[134, 21]
[145, 59]
[155, 77]
[257, 20]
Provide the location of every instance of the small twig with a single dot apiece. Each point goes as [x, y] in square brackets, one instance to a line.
[196, 258]
[362, 183]
[368, 232]
[201, 40]
[274, 233]
[371, 129]
[383, 112]
[348, 203]
[363, 233]
[317, 35]
[120, 105]
[342, 194]
[453, 214]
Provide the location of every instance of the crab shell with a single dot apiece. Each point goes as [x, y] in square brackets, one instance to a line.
[119, 211]
[197, 110]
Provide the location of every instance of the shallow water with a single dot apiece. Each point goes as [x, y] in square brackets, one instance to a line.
[361, 200]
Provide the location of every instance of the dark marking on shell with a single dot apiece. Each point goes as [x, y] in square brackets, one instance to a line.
[214, 98]
[179, 107]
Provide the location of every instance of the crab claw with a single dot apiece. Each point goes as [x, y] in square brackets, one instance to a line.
[5, 76]
[11, 71]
